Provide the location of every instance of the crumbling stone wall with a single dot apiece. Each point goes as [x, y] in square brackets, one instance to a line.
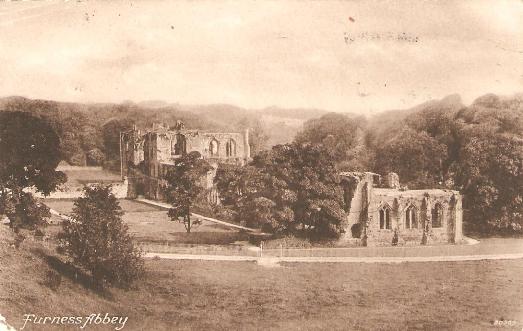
[406, 216]
[156, 150]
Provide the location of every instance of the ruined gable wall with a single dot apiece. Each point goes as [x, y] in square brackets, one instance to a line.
[423, 201]
[222, 139]
[201, 142]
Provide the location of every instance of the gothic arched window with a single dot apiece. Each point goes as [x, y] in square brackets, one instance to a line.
[230, 148]
[180, 147]
[411, 218]
[213, 147]
[385, 222]
[437, 216]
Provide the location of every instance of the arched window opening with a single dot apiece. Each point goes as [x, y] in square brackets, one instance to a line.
[213, 147]
[411, 220]
[437, 216]
[385, 222]
[180, 147]
[230, 148]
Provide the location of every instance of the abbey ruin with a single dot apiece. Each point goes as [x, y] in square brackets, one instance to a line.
[147, 155]
[381, 212]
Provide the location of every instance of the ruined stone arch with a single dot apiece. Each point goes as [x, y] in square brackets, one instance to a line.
[411, 217]
[214, 147]
[385, 212]
[180, 146]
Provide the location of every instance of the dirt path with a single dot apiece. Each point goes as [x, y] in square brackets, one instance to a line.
[167, 206]
[333, 259]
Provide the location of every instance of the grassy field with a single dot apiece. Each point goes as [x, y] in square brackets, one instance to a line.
[151, 225]
[198, 295]
[81, 177]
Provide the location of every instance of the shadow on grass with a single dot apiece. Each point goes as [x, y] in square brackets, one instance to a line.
[71, 272]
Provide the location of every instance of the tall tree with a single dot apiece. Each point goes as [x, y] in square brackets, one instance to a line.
[186, 184]
[29, 154]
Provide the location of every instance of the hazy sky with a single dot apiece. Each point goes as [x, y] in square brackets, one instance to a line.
[340, 56]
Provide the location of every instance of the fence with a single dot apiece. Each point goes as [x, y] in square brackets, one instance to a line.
[234, 250]
[381, 251]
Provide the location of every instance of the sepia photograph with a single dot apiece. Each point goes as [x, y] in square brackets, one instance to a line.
[261, 165]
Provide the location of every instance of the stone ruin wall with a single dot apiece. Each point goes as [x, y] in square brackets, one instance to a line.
[200, 142]
[156, 149]
[366, 198]
[423, 201]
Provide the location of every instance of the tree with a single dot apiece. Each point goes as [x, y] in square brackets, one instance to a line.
[341, 136]
[415, 156]
[29, 154]
[186, 184]
[97, 239]
[95, 157]
[291, 189]
[235, 185]
[490, 174]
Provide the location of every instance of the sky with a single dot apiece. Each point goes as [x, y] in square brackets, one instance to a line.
[349, 56]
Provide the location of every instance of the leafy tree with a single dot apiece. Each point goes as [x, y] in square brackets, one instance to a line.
[30, 152]
[489, 172]
[341, 136]
[417, 158]
[97, 239]
[235, 185]
[95, 157]
[186, 184]
[291, 189]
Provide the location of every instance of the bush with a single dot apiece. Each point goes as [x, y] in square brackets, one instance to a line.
[97, 239]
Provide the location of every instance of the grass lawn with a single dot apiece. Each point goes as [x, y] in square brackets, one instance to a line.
[81, 177]
[207, 295]
[151, 225]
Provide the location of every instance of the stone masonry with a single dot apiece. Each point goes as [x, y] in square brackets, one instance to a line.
[386, 214]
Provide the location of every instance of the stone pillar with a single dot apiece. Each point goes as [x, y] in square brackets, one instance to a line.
[366, 218]
[458, 220]
[426, 212]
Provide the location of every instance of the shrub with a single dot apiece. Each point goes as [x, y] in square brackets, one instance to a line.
[97, 239]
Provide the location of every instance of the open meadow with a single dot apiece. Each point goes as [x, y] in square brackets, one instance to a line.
[150, 225]
[207, 295]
